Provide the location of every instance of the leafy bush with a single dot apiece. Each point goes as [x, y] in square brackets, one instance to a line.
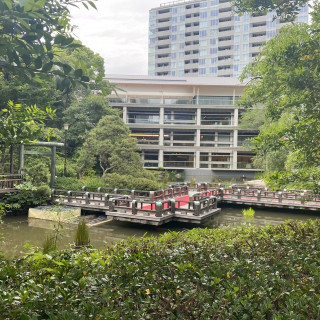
[67, 183]
[114, 180]
[28, 196]
[228, 273]
[71, 171]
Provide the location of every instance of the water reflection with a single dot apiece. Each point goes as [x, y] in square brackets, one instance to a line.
[17, 231]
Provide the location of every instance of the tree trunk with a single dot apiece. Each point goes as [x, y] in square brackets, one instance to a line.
[79, 172]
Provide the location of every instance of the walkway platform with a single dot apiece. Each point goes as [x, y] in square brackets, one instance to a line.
[153, 208]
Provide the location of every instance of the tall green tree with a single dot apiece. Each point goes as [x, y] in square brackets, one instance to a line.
[29, 29]
[286, 80]
[84, 115]
[109, 147]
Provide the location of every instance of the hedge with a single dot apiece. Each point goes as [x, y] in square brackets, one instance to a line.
[228, 273]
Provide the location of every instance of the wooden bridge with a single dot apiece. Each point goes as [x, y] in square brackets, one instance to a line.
[146, 207]
[8, 182]
[186, 203]
[240, 194]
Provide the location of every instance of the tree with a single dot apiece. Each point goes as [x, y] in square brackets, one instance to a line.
[29, 29]
[284, 9]
[84, 115]
[110, 147]
[287, 82]
[21, 125]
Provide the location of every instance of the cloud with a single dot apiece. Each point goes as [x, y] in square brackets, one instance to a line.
[118, 31]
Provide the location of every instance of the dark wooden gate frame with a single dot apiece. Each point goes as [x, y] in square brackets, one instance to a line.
[52, 154]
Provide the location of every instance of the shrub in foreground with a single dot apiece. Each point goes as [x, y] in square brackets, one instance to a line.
[229, 273]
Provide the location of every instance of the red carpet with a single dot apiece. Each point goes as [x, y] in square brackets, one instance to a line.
[184, 198]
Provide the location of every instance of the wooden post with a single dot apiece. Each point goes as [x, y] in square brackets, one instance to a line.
[159, 209]
[280, 197]
[106, 199]
[259, 195]
[173, 206]
[302, 197]
[134, 207]
[53, 166]
[239, 193]
[69, 196]
[21, 157]
[87, 198]
[132, 194]
[196, 207]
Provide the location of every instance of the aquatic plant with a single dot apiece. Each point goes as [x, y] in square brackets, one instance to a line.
[248, 212]
[82, 234]
[49, 244]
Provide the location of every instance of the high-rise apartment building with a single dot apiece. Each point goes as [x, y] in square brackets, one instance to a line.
[206, 38]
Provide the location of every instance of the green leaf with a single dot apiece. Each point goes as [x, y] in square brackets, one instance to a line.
[38, 63]
[8, 3]
[26, 59]
[92, 5]
[47, 67]
[85, 79]
[65, 84]
[78, 73]
[66, 68]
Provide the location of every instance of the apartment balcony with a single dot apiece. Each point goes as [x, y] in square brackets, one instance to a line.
[192, 38]
[164, 15]
[225, 72]
[224, 5]
[226, 33]
[225, 43]
[254, 49]
[164, 24]
[163, 60]
[254, 39]
[164, 51]
[225, 14]
[225, 62]
[258, 29]
[258, 19]
[191, 65]
[191, 56]
[163, 69]
[191, 47]
[163, 42]
[226, 52]
[192, 19]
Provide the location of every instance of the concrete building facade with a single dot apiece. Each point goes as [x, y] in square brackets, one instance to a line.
[206, 38]
[188, 124]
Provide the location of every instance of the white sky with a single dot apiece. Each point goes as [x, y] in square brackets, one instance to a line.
[118, 31]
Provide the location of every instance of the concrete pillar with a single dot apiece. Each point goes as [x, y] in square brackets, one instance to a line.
[234, 160]
[198, 138]
[161, 120]
[235, 138]
[125, 114]
[236, 117]
[161, 142]
[160, 158]
[197, 160]
[198, 116]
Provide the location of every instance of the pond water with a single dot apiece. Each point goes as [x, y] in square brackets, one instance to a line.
[17, 231]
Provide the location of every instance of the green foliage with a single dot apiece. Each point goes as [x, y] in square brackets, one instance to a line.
[115, 180]
[82, 234]
[49, 245]
[285, 9]
[71, 170]
[82, 116]
[252, 118]
[227, 273]
[67, 183]
[109, 147]
[286, 81]
[29, 196]
[248, 212]
[29, 30]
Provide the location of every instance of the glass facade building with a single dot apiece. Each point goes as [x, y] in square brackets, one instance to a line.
[186, 123]
[206, 38]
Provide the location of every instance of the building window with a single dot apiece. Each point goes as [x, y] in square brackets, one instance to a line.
[203, 24]
[202, 71]
[213, 70]
[178, 159]
[214, 22]
[203, 33]
[203, 15]
[202, 61]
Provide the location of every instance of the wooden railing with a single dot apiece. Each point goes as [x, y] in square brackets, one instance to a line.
[125, 204]
[9, 181]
